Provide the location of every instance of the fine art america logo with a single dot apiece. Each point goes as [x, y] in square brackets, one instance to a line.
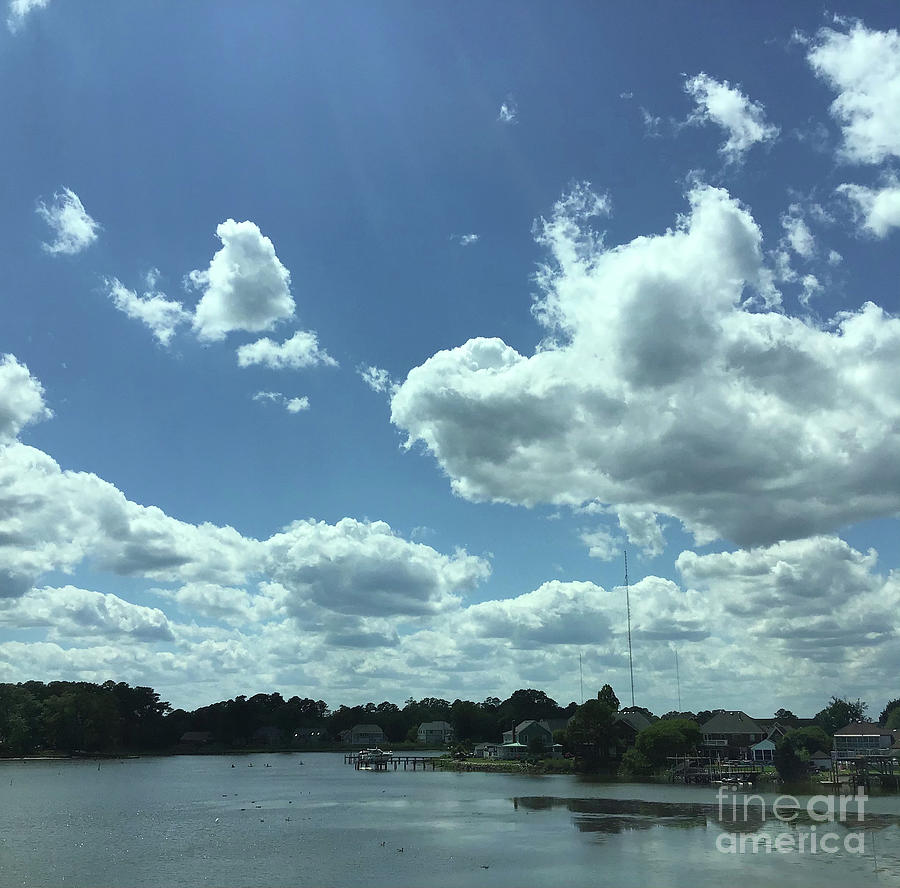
[824, 825]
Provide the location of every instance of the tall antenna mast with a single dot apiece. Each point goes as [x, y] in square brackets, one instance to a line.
[628, 611]
[677, 679]
[581, 674]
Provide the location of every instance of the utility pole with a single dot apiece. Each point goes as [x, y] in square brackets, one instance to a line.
[628, 611]
[581, 674]
[677, 679]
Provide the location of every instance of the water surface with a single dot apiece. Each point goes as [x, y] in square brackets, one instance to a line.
[310, 820]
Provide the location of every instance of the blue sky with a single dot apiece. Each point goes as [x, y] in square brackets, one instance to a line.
[349, 345]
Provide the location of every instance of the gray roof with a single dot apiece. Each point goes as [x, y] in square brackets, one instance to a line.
[528, 722]
[367, 729]
[731, 721]
[436, 726]
[634, 719]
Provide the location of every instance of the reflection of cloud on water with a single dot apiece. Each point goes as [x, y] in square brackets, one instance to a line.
[621, 815]
[626, 815]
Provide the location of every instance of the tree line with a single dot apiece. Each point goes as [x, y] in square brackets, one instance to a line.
[118, 718]
[115, 717]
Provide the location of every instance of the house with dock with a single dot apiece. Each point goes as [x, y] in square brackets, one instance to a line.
[729, 734]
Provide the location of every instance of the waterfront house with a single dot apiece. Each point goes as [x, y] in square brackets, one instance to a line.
[437, 733]
[729, 734]
[862, 738]
[526, 730]
[764, 751]
[363, 735]
[630, 723]
[513, 750]
[488, 750]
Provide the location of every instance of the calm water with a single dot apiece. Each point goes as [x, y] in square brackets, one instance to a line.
[198, 821]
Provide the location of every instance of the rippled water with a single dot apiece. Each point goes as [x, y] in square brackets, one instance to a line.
[198, 821]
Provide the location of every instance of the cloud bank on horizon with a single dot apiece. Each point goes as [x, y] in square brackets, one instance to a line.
[704, 384]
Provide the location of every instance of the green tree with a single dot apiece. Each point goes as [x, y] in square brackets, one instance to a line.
[608, 696]
[893, 719]
[840, 712]
[886, 712]
[664, 738]
[591, 730]
[472, 721]
[791, 758]
[523, 704]
[635, 762]
[812, 739]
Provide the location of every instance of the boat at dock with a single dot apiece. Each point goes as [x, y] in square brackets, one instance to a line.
[373, 758]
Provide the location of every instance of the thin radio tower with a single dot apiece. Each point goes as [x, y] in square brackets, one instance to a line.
[581, 676]
[628, 611]
[677, 679]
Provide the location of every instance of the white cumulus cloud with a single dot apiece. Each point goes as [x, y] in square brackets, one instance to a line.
[245, 287]
[726, 106]
[300, 350]
[659, 390]
[877, 210]
[863, 66]
[21, 398]
[74, 230]
[73, 612]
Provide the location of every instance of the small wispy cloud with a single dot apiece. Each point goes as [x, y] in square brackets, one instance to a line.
[465, 240]
[509, 112]
[651, 123]
[74, 230]
[376, 378]
[152, 308]
[292, 405]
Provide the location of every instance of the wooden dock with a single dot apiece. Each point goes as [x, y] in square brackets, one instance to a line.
[409, 762]
[705, 770]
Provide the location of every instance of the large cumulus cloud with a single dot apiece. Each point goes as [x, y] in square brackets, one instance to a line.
[669, 382]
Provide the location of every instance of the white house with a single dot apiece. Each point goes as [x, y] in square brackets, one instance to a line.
[437, 732]
[764, 751]
[488, 750]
